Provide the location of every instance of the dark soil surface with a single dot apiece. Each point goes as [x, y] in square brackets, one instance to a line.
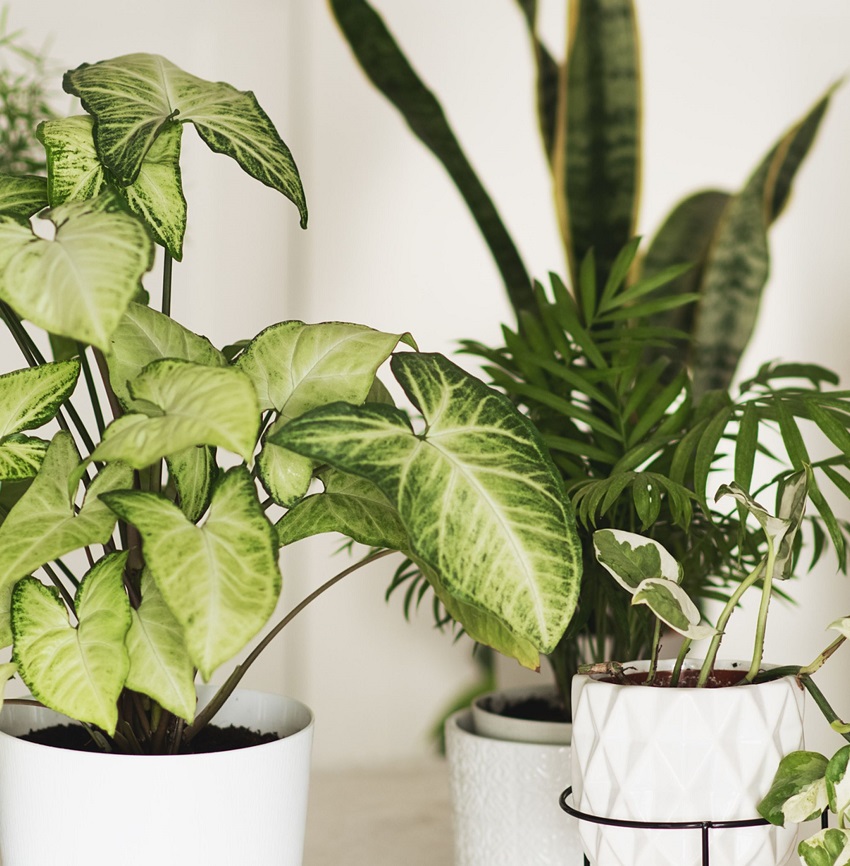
[688, 679]
[210, 739]
[535, 710]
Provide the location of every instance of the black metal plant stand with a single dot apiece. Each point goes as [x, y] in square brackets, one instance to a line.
[703, 826]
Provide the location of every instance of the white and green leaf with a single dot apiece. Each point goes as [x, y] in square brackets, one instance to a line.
[671, 604]
[829, 847]
[774, 527]
[842, 626]
[838, 785]
[193, 471]
[798, 791]
[220, 579]
[631, 558]
[133, 97]
[76, 671]
[22, 197]
[285, 475]
[197, 405]
[482, 504]
[74, 171]
[791, 507]
[31, 397]
[160, 666]
[21, 457]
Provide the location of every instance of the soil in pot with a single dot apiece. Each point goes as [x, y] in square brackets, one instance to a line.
[717, 679]
[534, 709]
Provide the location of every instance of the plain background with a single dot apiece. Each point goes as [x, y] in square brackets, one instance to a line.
[391, 245]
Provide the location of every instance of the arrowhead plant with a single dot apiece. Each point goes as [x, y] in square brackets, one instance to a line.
[198, 463]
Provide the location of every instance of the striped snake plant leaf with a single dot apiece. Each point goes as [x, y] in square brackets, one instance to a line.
[738, 263]
[79, 671]
[220, 579]
[598, 137]
[296, 367]
[44, 523]
[483, 505]
[156, 196]
[78, 284]
[22, 197]
[386, 66]
[160, 666]
[135, 98]
[187, 404]
[144, 335]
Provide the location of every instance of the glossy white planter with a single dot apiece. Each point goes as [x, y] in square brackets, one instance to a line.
[81, 809]
[505, 799]
[655, 754]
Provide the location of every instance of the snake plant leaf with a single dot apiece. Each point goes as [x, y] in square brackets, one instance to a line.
[479, 497]
[386, 66]
[22, 197]
[671, 604]
[144, 335]
[44, 524]
[31, 397]
[838, 784]
[135, 98]
[21, 457]
[76, 671]
[631, 558]
[220, 579]
[350, 505]
[160, 666]
[198, 405]
[78, 284]
[827, 848]
[739, 259]
[798, 791]
[597, 146]
[193, 471]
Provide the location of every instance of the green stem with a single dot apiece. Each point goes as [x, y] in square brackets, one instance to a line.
[653, 657]
[67, 572]
[92, 389]
[818, 663]
[57, 582]
[167, 266]
[761, 625]
[680, 660]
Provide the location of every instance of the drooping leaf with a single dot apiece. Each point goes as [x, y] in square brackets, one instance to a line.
[390, 71]
[44, 525]
[220, 579]
[159, 661]
[92, 267]
[133, 99]
[76, 671]
[22, 197]
[671, 604]
[774, 527]
[631, 558]
[798, 790]
[479, 497]
[199, 406]
[143, 335]
[31, 397]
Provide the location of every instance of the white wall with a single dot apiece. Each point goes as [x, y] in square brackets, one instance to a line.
[390, 243]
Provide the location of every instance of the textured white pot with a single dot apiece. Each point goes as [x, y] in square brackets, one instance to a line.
[505, 799]
[82, 809]
[656, 754]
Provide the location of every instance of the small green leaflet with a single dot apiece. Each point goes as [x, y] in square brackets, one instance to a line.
[631, 558]
[22, 197]
[220, 579]
[76, 671]
[133, 98]
[798, 790]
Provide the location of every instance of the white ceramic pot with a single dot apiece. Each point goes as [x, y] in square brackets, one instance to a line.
[505, 799]
[83, 809]
[656, 754]
[490, 721]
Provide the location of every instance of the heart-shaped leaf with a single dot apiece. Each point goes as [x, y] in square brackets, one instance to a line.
[76, 671]
[798, 790]
[827, 848]
[74, 171]
[22, 197]
[159, 661]
[483, 505]
[133, 97]
[631, 558]
[199, 405]
[32, 396]
[285, 475]
[78, 284]
[220, 579]
[44, 523]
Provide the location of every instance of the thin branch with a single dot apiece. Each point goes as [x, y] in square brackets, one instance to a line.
[167, 266]
[92, 389]
[57, 582]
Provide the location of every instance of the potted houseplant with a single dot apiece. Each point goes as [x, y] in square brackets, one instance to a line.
[686, 740]
[137, 551]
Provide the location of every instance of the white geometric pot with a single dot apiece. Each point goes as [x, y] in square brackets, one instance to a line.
[686, 754]
[86, 809]
[505, 800]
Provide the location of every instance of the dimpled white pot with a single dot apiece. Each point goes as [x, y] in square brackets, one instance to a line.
[82, 809]
[659, 754]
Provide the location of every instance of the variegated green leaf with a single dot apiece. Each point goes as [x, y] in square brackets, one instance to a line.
[159, 661]
[134, 97]
[193, 471]
[842, 626]
[774, 527]
[76, 671]
[74, 171]
[631, 558]
[798, 790]
[350, 505]
[220, 579]
[793, 496]
[78, 284]
[198, 405]
[838, 785]
[827, 848]
[22, 197]
[285, 475]
[143, 335]
[44, 524]
[20, 457]
[32, 396]
[670, 603]
[479, 497]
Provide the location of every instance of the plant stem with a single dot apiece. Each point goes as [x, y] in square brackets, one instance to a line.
[203, 718]
[90, 385]
[653, 657]
[57, 582]
[167, 265]
[761, 625]
[818, 663]
[680, 660]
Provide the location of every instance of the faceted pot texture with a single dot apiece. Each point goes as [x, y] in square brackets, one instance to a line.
[659, 754]
[92, 809]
